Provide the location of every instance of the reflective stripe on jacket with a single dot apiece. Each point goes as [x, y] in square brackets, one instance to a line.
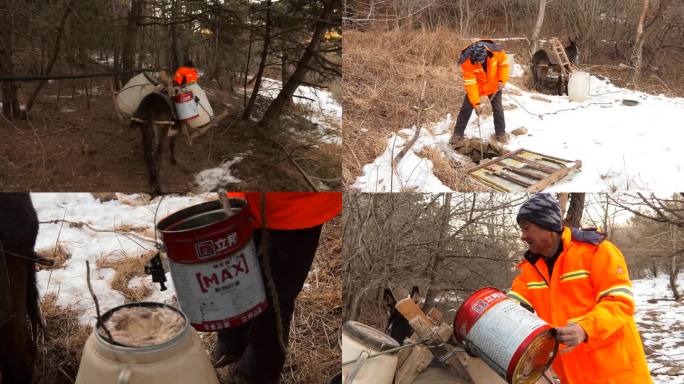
[480, 83]
[188, 74]
[589, 286]
[293, 210]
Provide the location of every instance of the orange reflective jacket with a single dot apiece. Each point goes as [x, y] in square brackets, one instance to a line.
[589, 286]
[480, 83]
[293, 210]
[187, 73]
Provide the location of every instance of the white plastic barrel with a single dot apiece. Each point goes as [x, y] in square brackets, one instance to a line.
[131, 95]
[360, 340]
[204, 111]
[578, 86]
[180, 360]
[434, 375]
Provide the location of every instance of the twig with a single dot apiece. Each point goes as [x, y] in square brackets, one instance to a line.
[66, 374]
[97, 305]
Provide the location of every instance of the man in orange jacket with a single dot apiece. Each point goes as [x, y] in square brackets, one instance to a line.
[578, 282]
[485, 72]
[293, 221]
[187, 74]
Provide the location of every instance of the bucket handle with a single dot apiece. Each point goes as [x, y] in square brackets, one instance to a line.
[125, 376]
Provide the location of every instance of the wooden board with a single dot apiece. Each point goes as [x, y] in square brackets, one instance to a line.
[523, 171]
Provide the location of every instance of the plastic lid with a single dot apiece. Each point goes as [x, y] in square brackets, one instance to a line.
[368, 336]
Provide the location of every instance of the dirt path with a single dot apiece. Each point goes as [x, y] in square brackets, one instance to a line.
[67, 147]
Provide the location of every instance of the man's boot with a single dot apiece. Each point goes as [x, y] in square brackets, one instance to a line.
[455, 139]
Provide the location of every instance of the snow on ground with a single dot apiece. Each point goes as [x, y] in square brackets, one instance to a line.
[69, 283]
[213, 178]
[661, 323]
[325, 110]
[621, 147]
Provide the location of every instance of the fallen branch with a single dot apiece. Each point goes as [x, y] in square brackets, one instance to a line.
[97, 305]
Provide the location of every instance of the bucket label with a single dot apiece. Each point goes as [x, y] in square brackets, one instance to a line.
[501, 331]
[210, 248]
[186, 108]
[221, 293]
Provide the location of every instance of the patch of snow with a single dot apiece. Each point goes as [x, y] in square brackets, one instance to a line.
[114, 243]
[213, 178]
[326, 112]
[621, 147]
[660, 321]
[67, 110]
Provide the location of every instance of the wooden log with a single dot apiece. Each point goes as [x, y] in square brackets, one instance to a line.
[418, 360]
[539, 167]
[502, 174]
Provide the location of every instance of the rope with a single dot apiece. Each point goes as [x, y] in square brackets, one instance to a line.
[66, 77]
[270, 284]
[391, 350]
[541, 115]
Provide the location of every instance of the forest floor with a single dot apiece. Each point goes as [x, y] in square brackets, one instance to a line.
[75, 141]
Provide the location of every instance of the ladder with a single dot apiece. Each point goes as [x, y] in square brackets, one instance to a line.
[563, 61]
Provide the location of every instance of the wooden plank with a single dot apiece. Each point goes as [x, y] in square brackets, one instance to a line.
[554, 177]
[524, 172]
[498, 159]
[508, 177]
[418, 360]
[533, 165]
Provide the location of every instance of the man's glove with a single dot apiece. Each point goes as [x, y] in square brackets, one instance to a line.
[501, 85]
[571, 335]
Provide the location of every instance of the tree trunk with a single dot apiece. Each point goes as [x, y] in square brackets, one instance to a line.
[53, 59]
[638, 46]
[435, 264]
[10, 103]
[538, 25]
[276, 107]
[574, 216]
[262, 65]
[130, 42]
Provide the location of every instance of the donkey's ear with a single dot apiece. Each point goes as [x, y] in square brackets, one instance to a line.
[388, 298]
[415, 292]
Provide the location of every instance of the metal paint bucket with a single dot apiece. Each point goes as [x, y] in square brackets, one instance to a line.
[179, 360]
[214, 265]
[514, 342]
[186, 107]
[360, 341]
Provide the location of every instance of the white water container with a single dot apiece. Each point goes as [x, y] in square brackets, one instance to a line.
[360, 340]
[578, 86]
[204, 111]
[131, 95]
[180, 359]
[434, 375]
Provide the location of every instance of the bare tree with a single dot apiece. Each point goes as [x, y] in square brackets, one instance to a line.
[639, 45]
[538, 24]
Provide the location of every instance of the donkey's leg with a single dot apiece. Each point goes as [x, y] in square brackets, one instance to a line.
[160, 132]
[173, 132]
[147, 132]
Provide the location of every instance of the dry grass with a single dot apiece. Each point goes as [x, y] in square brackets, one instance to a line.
[314, 353]
[384, 73]
[126, 269]
[59, 255]
[59, 349]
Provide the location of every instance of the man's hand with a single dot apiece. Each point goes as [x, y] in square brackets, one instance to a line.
[571, 335]
[478, 110]
[501, 85]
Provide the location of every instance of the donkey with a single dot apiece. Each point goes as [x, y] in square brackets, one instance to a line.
[19, 308]
[397, 326]
[541, 63]
[155, 119]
